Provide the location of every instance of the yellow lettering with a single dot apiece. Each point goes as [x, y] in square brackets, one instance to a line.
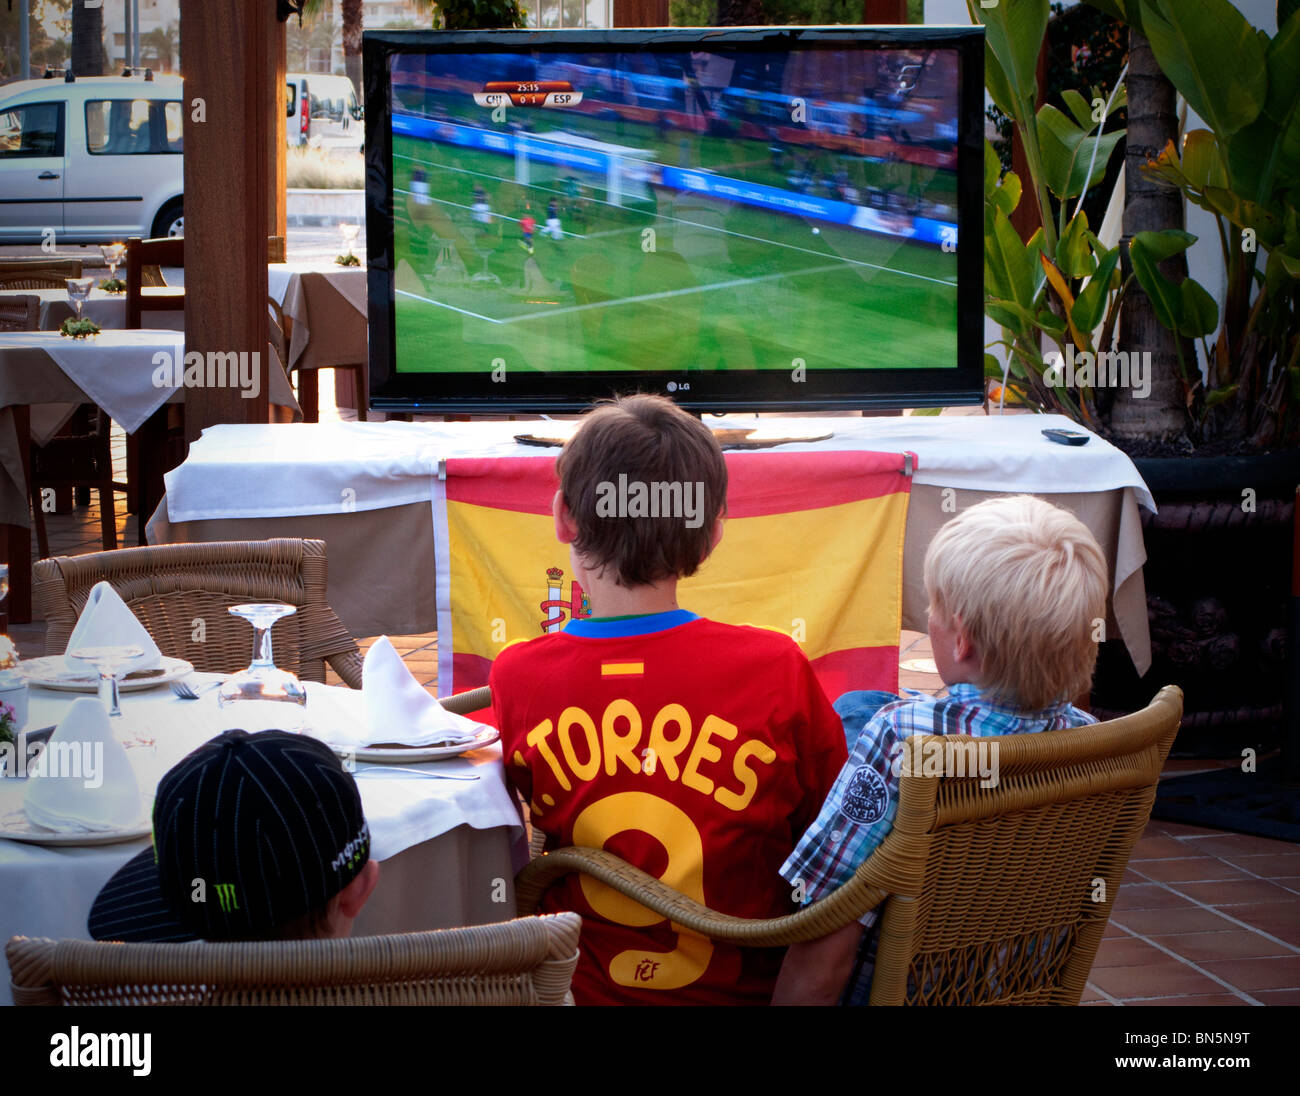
[706, 751]
[589, 768]
[667, 749]
[747, 777]
[616, 746]
[671, 827]
[537, 737]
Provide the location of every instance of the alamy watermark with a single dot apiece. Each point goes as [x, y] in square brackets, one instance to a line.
[82, 761]
[657, 499]
[215, 369]
[1109, 369]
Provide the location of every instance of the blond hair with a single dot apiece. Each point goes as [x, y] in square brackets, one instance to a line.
[1027, 583]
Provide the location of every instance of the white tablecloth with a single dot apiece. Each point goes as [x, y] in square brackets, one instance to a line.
[47, 891]
[324, 468]
[106, 309]
[310, 303]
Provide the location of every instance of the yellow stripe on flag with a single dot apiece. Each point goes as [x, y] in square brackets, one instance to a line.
[830, 577]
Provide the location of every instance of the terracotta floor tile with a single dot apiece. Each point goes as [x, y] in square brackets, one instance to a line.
[1090, 994]
[1126, 952]
[1160, 847]
[1278, 996]
[1148, 896]
[1190, 869]
[1099, 1001]
[1190, 919]
[1242, 844]
[1270, 865]
[1235, 944]
[1179, 829]
[1235, 892]
[1167, 978]
[1277, 972]
[1201, 1000]
[1278, 919]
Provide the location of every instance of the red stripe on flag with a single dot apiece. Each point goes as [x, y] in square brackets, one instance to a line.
[760, 484]
[855, 668]
[469, 671]
[525, 485]
[763, 484]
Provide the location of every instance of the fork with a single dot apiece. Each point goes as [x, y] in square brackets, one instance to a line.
[186, 691]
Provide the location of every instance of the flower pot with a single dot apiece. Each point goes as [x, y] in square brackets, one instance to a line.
[1218, 581]
[14, 693]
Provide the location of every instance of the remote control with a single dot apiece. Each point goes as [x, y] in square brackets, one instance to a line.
[1067, 437]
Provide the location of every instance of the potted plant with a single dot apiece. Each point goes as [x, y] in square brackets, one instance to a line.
[1215, 440]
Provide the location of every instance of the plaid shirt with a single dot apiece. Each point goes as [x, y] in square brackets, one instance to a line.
[861, 807]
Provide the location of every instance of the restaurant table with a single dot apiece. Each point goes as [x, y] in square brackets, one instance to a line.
[106, 309]
[368, 490]
[448, 849]
[43, 378]
[324, 306]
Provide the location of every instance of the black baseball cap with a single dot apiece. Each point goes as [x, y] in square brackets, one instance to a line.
[250, 832]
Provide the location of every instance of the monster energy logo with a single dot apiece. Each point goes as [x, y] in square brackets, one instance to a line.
[226, 896]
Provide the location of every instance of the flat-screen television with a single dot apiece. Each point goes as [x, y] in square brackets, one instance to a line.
[754, 219]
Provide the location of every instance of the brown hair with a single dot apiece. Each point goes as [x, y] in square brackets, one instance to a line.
[651, 441]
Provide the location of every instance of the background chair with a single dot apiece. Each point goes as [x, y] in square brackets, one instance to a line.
[996, 895]
[160, 443]
[38, 273]
[524, 962]
[20, 312]
[171, 586]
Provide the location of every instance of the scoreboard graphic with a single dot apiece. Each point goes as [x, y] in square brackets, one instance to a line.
[521, 93]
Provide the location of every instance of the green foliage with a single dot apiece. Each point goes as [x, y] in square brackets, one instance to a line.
[481, 14]
[693, 13]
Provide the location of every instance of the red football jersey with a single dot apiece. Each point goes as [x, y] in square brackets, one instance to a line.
[698, 752]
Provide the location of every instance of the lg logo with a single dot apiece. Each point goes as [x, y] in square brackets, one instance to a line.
[673, 386]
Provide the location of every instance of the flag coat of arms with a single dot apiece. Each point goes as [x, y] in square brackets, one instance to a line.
[812, 547]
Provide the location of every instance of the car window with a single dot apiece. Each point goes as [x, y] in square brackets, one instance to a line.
[33, 129]
[133, 127]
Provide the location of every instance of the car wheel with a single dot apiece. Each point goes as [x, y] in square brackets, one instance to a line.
[170, 220]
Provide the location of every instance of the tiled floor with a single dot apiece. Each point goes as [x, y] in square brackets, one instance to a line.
[1204, 917]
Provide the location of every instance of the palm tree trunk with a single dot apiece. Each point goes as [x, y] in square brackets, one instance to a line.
[1152, 123]
[352, 27]
[87, 40]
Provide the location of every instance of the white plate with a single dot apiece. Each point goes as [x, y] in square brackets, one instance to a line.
[52, 672]
[16, 826]
[405, 755]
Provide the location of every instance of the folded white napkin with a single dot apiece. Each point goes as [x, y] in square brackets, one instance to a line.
[107, 621]
[83, 781]
[397, 708]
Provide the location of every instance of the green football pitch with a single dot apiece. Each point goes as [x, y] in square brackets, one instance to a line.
[657, 280]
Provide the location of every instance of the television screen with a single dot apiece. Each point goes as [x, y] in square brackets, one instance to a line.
[747, 220]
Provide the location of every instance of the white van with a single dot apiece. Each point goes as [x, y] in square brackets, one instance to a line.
[323, 110]
[96, 160]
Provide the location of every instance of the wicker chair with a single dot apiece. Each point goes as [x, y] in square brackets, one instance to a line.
[38, 273]
[991, 895]
[171, 586]
[524, 962]
[20, 312]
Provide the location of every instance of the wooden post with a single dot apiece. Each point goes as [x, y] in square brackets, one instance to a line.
[231, 53]
[884, 12]
[639, 13]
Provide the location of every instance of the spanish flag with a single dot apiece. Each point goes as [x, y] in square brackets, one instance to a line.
[813, 547]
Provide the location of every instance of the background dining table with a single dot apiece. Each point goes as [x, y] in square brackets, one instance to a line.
[44, 377]
[448, 849]
[106, 309]
[324, 306]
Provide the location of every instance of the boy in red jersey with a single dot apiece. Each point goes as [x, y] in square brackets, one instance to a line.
[694, 750]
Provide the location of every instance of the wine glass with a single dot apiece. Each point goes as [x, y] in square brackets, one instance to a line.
[113, 255]
[111, 662]
[262, 681]
[349, 233]
[78, 291]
